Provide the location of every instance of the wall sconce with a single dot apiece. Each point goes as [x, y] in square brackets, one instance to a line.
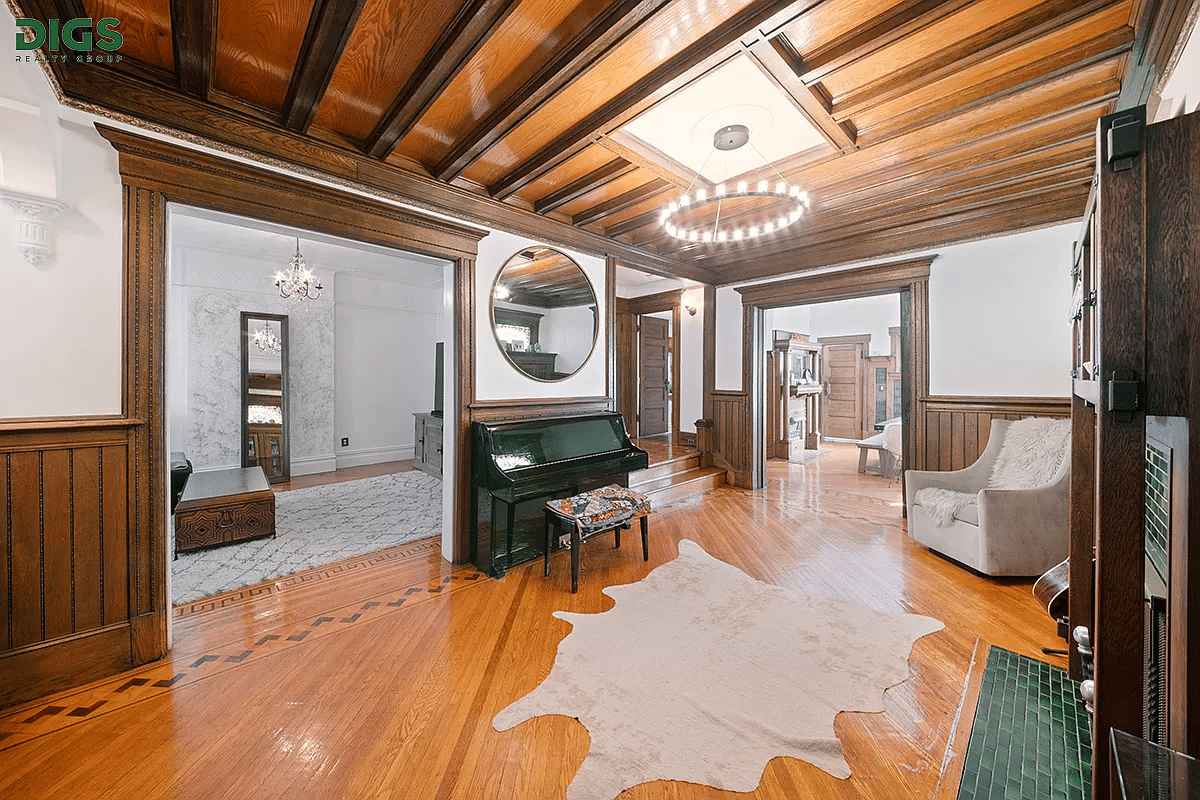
[690, 309]
[690, 299]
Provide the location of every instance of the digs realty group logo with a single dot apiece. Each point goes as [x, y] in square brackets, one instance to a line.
[79, 37]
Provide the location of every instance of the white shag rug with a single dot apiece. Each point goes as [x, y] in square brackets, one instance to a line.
[703, 674]
[317, 526]
[1031, 454]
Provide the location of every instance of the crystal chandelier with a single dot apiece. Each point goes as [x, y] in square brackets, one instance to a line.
[298, 282]
[685, 219]
[267, 341]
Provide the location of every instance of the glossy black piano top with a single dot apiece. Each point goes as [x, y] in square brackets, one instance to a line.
[515, 446]
[518, 465]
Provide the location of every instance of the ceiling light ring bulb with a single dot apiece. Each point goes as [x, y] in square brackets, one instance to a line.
[780, 187]
[762, 187]
[742, 187]
[720, 190]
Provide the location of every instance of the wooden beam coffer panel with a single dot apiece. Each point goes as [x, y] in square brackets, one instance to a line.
[65, 530]
[957, 428]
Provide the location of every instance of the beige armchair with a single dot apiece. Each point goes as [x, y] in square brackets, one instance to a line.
[1005, 531]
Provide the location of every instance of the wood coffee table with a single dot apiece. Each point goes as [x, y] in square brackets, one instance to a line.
[224, 507]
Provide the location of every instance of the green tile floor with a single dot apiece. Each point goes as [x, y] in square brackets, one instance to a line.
[1030, 738]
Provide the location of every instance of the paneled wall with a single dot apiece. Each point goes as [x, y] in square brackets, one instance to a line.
[957, 428]
[64, 573]
[730, 439]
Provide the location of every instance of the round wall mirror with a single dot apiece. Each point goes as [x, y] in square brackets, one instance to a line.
[544, 314]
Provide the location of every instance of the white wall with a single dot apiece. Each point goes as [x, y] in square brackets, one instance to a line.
[216, 288]
[566, 331]
[997, 318]
[60, 323]
[385, 336]
[870, 315]
[690, 348]
[495, 377]
[729, 339]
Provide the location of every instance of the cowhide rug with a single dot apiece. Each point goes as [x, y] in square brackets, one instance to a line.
[701, 673]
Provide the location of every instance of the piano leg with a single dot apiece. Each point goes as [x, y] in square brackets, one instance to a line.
[618, 538]
[574, 559]
[512, 523]
[645, 537]
[546, 569]
[495, 570]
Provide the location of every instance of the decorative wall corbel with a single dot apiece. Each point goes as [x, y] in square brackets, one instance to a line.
[33, 227]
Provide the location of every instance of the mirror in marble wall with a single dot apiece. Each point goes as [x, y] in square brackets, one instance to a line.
[544, 314]
[265, 394]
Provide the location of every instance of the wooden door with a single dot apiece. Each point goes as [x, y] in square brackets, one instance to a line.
[652, 376]
[843, 406]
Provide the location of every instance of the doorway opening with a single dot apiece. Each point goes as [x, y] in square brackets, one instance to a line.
[834, 372]
[299, 426]
[659, 342]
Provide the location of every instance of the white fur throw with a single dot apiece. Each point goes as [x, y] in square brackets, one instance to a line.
[1032, 451]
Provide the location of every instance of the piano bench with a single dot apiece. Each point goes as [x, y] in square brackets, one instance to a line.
[609, 508]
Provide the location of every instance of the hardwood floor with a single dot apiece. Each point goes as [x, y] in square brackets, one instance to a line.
[344, 474]
[381, 679]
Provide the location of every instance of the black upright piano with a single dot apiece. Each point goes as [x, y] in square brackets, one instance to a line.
[517, 466]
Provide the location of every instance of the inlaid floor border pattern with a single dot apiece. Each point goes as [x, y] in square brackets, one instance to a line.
[182, 669]
[1031, 736]
[258, 591]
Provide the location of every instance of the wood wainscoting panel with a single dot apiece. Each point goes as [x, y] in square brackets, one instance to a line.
[730, 437]
[957, 428]
[65, 567]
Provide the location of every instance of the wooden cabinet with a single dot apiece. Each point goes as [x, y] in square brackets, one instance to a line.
[427, 447]
[536, 365]
[264, 447]
[224, 507]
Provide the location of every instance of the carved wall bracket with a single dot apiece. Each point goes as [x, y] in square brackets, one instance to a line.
[33, 228]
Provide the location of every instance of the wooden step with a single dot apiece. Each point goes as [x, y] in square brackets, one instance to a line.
[661, 470]
[686, 484]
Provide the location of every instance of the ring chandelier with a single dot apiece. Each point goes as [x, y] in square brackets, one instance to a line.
[731, 137]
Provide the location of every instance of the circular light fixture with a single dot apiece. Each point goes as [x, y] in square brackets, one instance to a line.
[731, 137]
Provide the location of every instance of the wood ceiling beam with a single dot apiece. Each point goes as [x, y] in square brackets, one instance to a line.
[1056, 65]
[329, 27]
[967, 53]
[640, 95]
[1006, 150]
[779, 61]
[1158, 31]
[882, 214]
[633, 223]
[895, 23]
[921, 237]
[578, 188]
[474, 24]
[621, 202]
[651, 159]
[194, 39]
[609, 29]
[193, 119]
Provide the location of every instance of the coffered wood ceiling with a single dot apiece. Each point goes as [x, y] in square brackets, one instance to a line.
[943, 120]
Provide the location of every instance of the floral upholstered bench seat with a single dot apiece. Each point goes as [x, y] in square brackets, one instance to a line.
[587, 514]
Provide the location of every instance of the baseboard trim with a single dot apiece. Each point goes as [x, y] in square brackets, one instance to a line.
[311, 466]
[373, 455]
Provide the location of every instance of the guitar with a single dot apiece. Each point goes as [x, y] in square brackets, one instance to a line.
[1051, 589]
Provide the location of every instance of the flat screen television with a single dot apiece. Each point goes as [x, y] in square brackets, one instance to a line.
[439, 374]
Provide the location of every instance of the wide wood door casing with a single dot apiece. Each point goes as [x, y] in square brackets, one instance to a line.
[842, 416]
[653, 396]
